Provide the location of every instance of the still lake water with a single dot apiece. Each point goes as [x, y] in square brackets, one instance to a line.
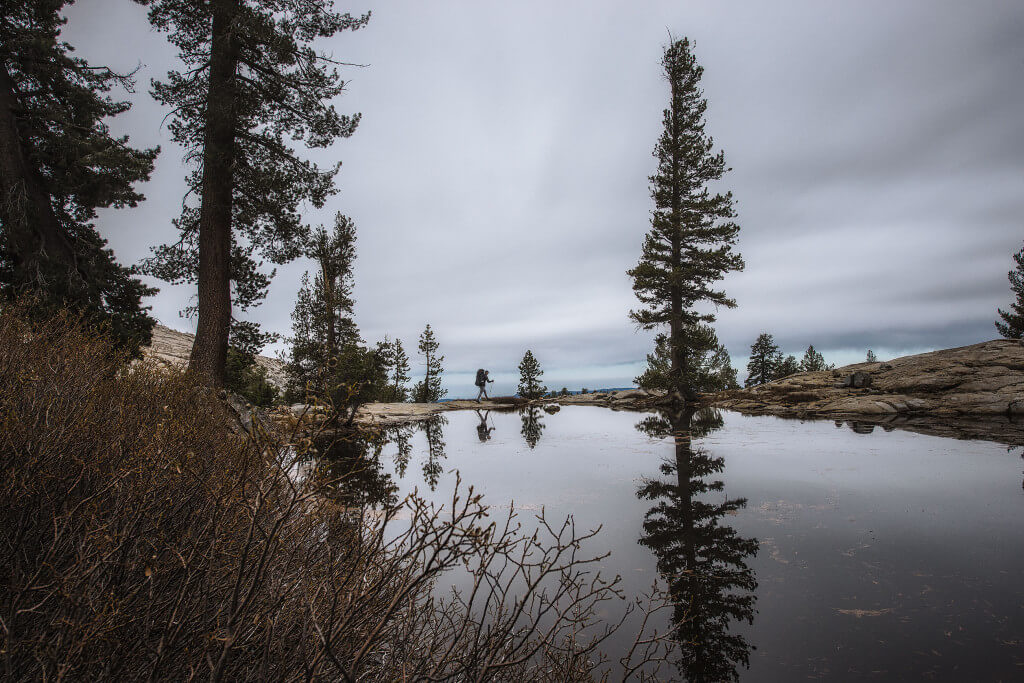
[805, 550]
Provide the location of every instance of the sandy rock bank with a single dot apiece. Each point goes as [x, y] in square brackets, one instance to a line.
[171, 348]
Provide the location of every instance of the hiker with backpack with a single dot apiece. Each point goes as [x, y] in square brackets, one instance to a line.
[481, 381]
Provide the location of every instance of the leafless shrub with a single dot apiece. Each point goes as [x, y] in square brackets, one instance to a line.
[142, 539]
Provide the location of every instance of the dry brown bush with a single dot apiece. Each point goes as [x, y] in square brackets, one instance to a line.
[141, 539]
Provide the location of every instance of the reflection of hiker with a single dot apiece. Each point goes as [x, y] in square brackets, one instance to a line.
[483, 432]
[481, 381]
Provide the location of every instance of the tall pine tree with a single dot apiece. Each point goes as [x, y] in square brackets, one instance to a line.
[765, 360]
[690, 244]
[396, 364]
[712, 367]
[429, 388]
[58, 165]
[253, 85]
[400, 373]
[323, 325]
[1012, 325]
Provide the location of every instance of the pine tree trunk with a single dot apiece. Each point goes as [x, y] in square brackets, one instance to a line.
[426, 382]
[36, 241]
[684, 471]
[676, 383]
[331, 309]
[210, 350]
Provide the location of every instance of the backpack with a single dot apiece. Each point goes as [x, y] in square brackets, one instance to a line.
[481, 377]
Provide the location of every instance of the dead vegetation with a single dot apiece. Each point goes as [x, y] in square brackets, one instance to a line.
[141, 539]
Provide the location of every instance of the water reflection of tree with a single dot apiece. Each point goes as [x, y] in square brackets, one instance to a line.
[532, 425]
[401, 436]
[703, 561]
[350, 465]
[434, 431]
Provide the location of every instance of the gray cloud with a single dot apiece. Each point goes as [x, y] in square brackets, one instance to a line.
[499, 178]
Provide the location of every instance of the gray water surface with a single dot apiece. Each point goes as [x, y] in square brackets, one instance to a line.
[802, 550]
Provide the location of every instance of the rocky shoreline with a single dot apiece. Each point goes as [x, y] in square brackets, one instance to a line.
[985, 379]
[970, 392]
[945, 391]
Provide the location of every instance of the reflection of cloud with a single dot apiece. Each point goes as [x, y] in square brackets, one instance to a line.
[865, 612]
[773, 550]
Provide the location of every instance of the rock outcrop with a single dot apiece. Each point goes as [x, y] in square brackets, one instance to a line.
[171, 348]
[982, 379]
[620, 398]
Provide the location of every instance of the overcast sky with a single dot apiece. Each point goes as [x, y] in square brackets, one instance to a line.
[499, 179]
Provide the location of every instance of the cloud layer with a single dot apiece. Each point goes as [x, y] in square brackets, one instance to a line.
[499, 178]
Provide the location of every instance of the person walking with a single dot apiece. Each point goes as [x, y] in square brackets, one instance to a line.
[481, 381]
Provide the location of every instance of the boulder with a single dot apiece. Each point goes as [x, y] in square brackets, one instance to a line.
[855, 380]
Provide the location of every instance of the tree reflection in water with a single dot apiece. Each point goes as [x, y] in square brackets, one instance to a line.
[532, 425]
[434, 431]
[703, 562]
[350, 464]
[402, 438]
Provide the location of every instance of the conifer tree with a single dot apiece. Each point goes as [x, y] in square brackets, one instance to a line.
[58, 165]
[322, 321]
[690, 244]
[429, 388]
[1012, 325]
[788, 366]
[396, 364]
[252, 86]
[386, 355]
[306, 358]
[529, 377]
[711, 366]
[813, 361]
[400, 373]
[335, 255]
[765, 359]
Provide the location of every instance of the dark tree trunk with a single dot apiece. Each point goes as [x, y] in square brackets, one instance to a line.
[328, 277]
[677, 383]
[426, 381]
[210, 350]
[39, 248]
